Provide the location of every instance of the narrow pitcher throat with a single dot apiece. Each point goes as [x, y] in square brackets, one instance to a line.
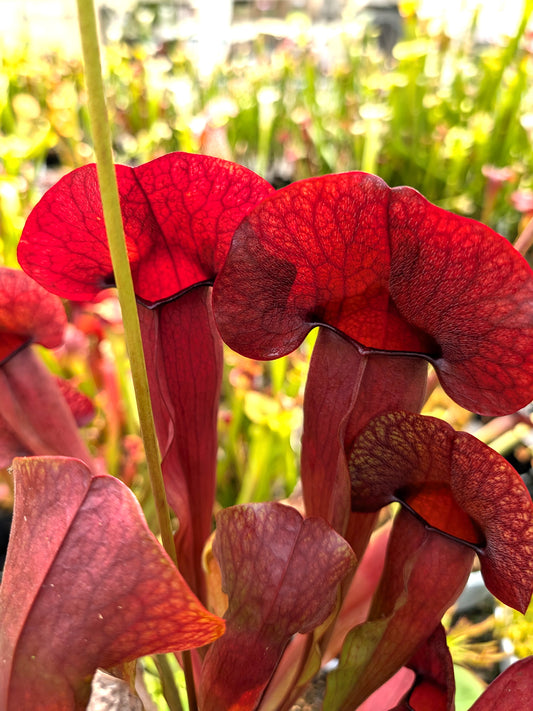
[345, 389]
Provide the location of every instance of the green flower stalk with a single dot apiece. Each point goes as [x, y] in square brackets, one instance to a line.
[117, 246]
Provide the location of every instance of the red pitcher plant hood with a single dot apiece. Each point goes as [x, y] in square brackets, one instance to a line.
[391, 272]
[281, 573]
[456, 485]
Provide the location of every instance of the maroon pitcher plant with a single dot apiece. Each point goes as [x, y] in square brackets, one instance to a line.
[459, 498]
[179, 214]
[394, 282]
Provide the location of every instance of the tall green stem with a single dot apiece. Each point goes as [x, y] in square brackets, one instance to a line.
[119, 257]
[168, 684]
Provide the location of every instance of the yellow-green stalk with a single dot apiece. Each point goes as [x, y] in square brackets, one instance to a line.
[117, 246]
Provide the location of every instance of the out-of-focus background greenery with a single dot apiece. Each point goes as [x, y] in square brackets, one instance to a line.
[299, 93]
[419, 94]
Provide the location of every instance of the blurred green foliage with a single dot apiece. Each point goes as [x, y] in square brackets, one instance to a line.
[517, 629]
[434, 115]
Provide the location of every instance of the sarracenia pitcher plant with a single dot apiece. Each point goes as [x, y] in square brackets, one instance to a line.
[393, 283]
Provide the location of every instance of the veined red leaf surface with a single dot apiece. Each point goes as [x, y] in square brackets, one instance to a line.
[457, 485]
[85, 584]
[391, 272]
[510, 691]
[354, 610]
[179, 213]
[344, 390]
[28, 314]
[280, 573]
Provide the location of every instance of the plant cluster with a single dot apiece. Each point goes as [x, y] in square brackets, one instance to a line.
[372, 295]
[393, 283]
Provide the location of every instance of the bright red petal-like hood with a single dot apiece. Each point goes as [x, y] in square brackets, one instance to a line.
[179, 213]
[457, 485]
[391, 272]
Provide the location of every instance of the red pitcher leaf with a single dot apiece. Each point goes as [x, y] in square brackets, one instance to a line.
[184, 364]
[281, 574]
[424, 574]
[316, 252]
[85, 584]
[28, 314]
[179, 213]
[457, 485]
[336, 371]
[347, 252]
[510, 691]
[34, 416]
